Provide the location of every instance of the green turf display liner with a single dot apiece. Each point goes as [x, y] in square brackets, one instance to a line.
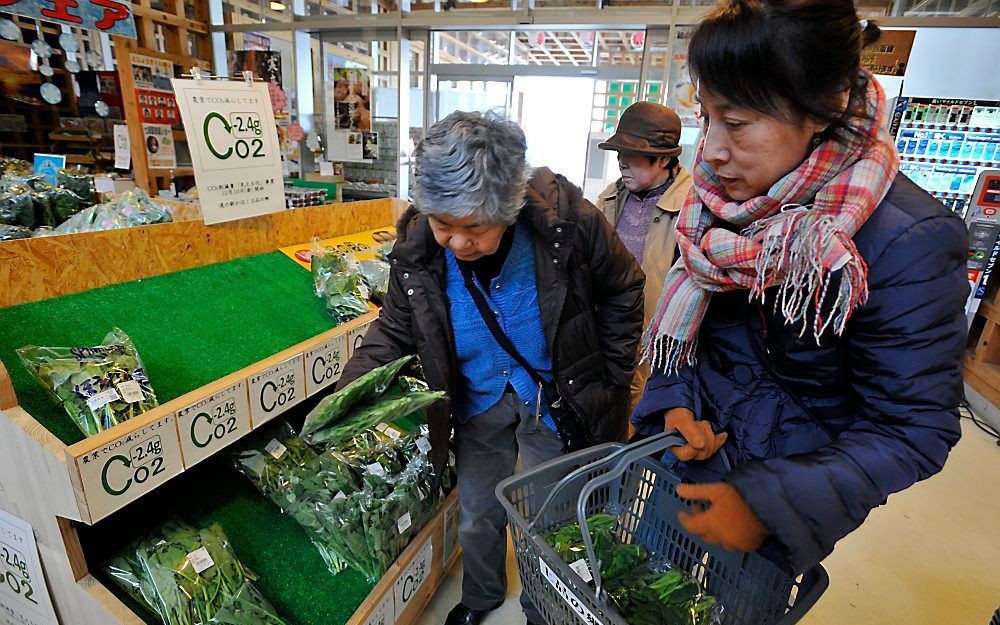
[190, 327]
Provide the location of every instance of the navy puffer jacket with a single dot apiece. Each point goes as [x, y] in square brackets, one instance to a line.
[821, 434]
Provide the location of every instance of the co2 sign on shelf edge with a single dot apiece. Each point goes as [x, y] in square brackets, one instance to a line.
[234, 147]
[24, 596]
[130, 466]
[214, 422]
[356, 336]
[276, 390]
[413, 578]
[325, 363]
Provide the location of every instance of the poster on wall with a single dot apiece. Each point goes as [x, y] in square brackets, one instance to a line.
[345, 145]
[682, 91]
[349, 100]
[160, 151]
[266, 65]
[24, 597]
[113, 17]
[890, 54]
[154, 95]
[369, 145]
[234, 147]
[18, 81]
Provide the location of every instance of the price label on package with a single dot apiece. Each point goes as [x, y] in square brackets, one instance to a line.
[325, 363]
[129, 467]
[207, 426]
[276, 390]
[24, 598]
[356, 336]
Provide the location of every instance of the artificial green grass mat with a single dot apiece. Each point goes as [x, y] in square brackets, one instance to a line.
[291, 573]
[190, 327]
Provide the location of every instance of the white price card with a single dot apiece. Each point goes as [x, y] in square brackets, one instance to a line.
[100, 400]
[384, 613]
[275, 448]
[123, 147]
[200, 560]
[128, 467]
[581, 568]
[424, 445]
[276, 390]
[24, 597]
[357, 335]
[210, 424]
[131, 391]
[404, 523]
[413, 578]
[325, 363]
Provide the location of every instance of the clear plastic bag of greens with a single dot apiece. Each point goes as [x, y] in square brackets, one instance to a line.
[386, 409]
[193, 576]
[247, 607]
[98, 387]
[16, 209]
[366, 388]
[127, 571]
[133, 208]
[375, 273]
[338, 283]
[9, 233]
[79, 183]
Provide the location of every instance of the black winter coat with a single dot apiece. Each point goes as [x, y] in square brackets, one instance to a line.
[821, 434]
[590, 293]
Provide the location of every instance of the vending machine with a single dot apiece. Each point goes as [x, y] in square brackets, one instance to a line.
[983, 221]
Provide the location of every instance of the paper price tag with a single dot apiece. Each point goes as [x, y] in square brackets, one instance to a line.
[581, 568]
[424, 445]
[340, 495]
[200, 560]
[276, 449]
[325, 364]
[131, 391]
[404, 523]
[122, 470]
[275, 390]
[101, 400]
[389, 431]
[214, 422]
[376, 469]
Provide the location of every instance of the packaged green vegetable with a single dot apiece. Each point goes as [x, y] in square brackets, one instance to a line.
[383, 410]
[375, 273]
[339, 284]
[16, 209]
[366, 388]
[79, 183]
[98, 387]
[247, 607]
[9, 233]
[193, 576]
[133, 208]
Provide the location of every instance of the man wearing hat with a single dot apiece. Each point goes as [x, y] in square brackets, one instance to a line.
[643, 204]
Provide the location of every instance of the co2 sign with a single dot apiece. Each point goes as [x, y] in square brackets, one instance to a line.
[276, 390]
[214, 422]
[239, 136]
[128, 467]
[325, 363]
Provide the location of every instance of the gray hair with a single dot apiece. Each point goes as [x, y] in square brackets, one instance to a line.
[472, 164]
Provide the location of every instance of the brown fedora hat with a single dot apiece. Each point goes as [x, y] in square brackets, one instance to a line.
[646, 128]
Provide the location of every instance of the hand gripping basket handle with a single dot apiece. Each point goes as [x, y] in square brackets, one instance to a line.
[623, 458]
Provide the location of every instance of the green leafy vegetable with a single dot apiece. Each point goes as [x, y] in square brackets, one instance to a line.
[247, 607]
[383, 410]
[9, 233]
[80, 184]
[339, 284]
[16, 209]
[99, 387]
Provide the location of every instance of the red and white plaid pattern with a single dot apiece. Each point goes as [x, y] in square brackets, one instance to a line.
[794, 238]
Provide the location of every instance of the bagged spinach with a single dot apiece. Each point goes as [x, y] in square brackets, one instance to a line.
[386, 409]
[9, 233]
[16, 209]
[195, 577]
[133, 208]
[338, 284]
[79, 183]
[375, 273]
[366, 388]
[247, 607]
[98, 387]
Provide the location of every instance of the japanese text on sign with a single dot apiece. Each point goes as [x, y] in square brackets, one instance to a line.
[107, 16]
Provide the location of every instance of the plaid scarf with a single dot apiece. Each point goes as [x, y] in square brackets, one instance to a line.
[794, 238]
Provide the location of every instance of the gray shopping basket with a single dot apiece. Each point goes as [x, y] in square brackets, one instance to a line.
[626, 481]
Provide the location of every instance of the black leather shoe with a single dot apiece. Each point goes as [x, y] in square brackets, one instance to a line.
[464, 615]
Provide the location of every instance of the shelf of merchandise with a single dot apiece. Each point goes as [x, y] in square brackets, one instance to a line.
[59, 487]
[933, 160]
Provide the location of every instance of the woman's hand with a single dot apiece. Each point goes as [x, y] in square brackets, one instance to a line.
[728, 523]
[702, 442]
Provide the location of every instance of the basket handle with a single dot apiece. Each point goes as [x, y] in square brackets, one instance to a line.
[625, 457]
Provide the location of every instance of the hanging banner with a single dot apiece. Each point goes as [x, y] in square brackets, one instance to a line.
[24, 597]
[113, 17]
[234, 147]
[160, 150]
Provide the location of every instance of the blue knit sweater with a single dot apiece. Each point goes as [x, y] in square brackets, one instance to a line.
[485, 367]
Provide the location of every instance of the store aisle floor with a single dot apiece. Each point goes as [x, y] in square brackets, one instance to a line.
[929, 557]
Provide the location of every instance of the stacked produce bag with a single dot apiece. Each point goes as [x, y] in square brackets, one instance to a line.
[359, 480]
[98, 387]
[345, 283]
[643, 587]
[190, 576]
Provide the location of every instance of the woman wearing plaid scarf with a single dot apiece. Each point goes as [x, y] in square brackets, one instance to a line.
[808, 342]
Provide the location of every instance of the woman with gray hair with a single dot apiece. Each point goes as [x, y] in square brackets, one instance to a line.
[523, 305]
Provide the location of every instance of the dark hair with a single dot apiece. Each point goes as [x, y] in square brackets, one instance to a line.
[783, 57]
[651, 159]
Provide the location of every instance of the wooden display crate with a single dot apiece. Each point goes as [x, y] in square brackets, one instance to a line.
[55, 486]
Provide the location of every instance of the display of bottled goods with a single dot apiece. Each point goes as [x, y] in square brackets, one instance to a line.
[297, 198]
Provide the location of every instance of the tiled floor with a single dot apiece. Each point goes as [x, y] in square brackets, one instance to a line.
[931, 556]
